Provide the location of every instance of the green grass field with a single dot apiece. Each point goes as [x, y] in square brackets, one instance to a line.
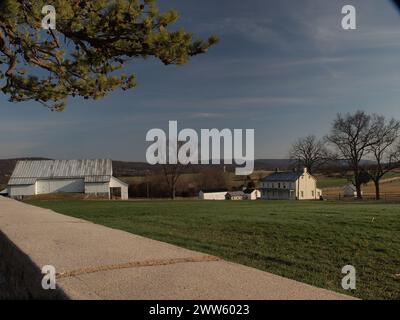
[331, 183]
[337, 182]
[306, 241]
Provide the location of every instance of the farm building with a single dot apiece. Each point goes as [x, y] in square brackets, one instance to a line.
[236, 195]
[94, 177]
[350, 190]
[215, 194]
[290, 186]
[252, 194]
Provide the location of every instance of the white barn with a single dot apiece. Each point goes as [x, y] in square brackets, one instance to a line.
[93, 177]
[216, 194]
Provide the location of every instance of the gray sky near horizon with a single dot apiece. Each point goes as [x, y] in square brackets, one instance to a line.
[284, 68]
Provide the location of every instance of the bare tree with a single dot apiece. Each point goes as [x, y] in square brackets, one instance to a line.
[213, 178]
[353, 135]
[172, 172]
[385, 150]
[309, 152]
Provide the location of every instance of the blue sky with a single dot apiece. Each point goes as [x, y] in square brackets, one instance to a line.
[282, 67]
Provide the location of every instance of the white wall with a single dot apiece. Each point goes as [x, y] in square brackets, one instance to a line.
[116, 183]
[17, 191]
[307, 187]
[97, 188]
[256, 194]
[212, 195]
[60, 186]
[69, 186]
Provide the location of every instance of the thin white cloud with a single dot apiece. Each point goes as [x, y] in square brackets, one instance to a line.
[260, 30]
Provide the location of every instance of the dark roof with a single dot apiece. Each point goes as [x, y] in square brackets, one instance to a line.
[236, 193]
[351, 186]
[283, 176]
[249, 190]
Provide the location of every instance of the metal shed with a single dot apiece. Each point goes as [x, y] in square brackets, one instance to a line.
[34, 177]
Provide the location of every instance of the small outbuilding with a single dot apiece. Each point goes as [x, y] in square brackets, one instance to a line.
[93, 177]
[252, 194]
[350, 191]
[236, 195]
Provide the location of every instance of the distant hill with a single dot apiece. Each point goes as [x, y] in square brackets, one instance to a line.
[130, 169]
[125, 168]
[7, 167]
[273, 164]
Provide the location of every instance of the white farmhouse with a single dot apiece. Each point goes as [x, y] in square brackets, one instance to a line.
[93, 177]
[216, 194]
[290, 186]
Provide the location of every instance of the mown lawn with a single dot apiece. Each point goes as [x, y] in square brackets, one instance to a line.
[306, 241]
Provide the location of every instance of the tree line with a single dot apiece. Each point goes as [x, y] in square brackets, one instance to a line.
[367, 145]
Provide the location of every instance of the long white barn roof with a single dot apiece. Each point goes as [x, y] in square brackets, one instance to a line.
[27, 172]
